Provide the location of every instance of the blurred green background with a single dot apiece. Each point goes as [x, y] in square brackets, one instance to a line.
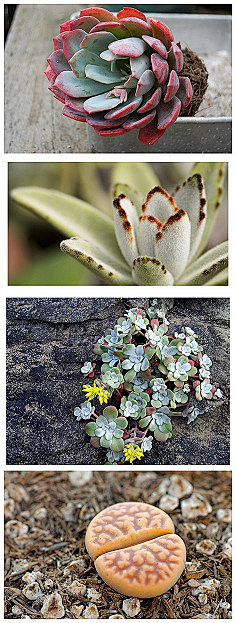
[34, 254]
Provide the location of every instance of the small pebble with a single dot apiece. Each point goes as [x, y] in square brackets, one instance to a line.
[53, 607]
[77, 588]
[77, 611]
[195, 506]
[227, 551]
[202, 598]
[116, 616]
[9, 508]
[16, 528]
[168, 503]
[91, 612]
[79, 478]
[131, 607]
[179, 486]
[16, 611]
[17, 492]
[68, 511]
[77, 565]
[224, 514]
[93, 595]
[207, 586]
[48, 583]
[32, 591]
[212, 529]
[40, 513]
[206, 547]
[32, 576]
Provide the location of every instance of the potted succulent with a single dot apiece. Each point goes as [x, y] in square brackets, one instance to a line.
[148, 376]
[125, 76]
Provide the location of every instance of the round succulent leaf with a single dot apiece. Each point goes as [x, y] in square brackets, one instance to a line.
[145, 364]
[139, 65]
[149, 352]
[101, 14]
[129, 375]
[131, 47]
[79, 87]
[150, 271]
[192, 371]
[136, 26]
[104, 442]
[118, 433]
[103, 75]
[117, 445]
[121, 422]
[90, 428]
[159, 436]
[145, 421]
[71, 42]
[98, 42]
[95, 442]
[110, 413]
[117, 29]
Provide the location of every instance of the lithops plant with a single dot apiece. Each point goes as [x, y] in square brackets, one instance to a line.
[155, 238]
[119, 72]
[135, 550]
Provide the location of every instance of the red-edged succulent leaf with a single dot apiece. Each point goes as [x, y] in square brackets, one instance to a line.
[71, 42]
[137, 27]
[161, 31]
[58, 94]
[135, 121]
[100, 103]
[172, 86]
[76, 103]
[57, 42]
[160, 68]
[131, 12]
[73, 114]
[132, 47]
[70, 85]
[176, 59]
[151, 102]
[168, 113]
[50, 73]
[145, 83]
[102, 15]
[157, 45]
[82, 58]
[115, 28]
[126, 108]
[185, 92]
[150, 134]
[86, 23]
[111, 132]
[131, 83]
[98, 121]
[138, 65]
[98, 43]
[58, 62]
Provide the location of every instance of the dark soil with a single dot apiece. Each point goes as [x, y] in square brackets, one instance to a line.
[53, 543]
[194, 69]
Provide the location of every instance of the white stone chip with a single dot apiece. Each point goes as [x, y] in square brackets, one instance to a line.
[224, 514]
[131, 607]
[206, 547]
[91, 612]
[79, 478]
[195, 506]
[179, 486]
[168, 503]
[53, 607]
[93, 595]
[77, 588]
[32, 591]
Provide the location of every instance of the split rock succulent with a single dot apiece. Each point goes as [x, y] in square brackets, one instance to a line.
[119, 72]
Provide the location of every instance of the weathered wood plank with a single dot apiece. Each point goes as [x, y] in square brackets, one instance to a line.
[49, 339]
[33, 117]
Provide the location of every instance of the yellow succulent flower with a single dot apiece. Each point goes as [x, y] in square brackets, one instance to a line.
[93, 391]
[131, 453]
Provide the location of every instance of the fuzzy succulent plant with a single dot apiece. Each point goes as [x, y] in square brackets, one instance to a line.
[154, 238]
[119, 72]
[147, 388]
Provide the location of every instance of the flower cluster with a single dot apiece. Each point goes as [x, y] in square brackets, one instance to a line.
[150, 376]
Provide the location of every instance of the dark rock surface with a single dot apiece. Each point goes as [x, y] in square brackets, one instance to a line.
[47, 342]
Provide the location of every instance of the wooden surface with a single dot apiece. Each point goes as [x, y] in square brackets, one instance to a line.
[34, 122]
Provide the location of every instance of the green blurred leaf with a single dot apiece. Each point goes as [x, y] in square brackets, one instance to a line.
[207, 267]
[53, 268]
[138, 175]
[213, 174]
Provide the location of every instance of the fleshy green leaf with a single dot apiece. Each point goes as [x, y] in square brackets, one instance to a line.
[138, 175]
[99, 260]
[207, 268]
[117, 445]
[74, 217]
[149, 271]
[213, 174]
[90, 428]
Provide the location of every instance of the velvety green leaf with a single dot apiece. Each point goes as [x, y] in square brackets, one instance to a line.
[110, 413]
[145, 421]
[213, 174]
[139, 176]
[149, 271]
[129, 375]
[159, 436]
[149, 352]
[210, 265]
[72, 216]
[122, 422]
[104, 443]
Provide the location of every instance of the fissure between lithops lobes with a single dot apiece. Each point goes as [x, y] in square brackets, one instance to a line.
[119, 73]
[168, 230]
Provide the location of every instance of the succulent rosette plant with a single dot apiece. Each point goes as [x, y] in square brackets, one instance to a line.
[154, 237]
[119, 72]
[145, 390]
